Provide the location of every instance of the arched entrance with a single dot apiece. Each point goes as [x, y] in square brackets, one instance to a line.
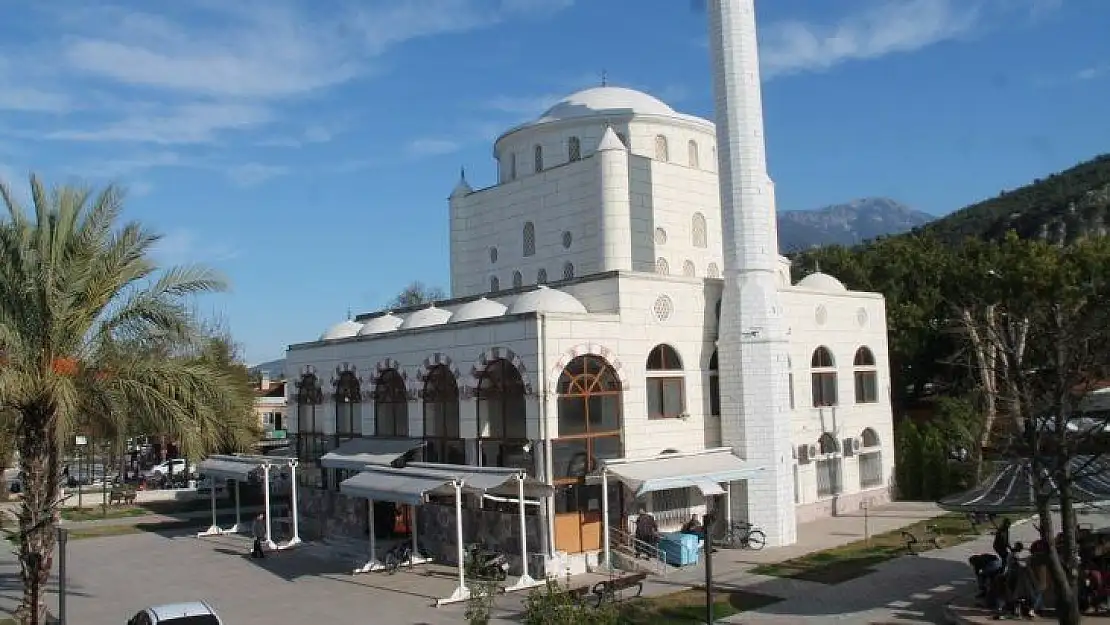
[502, 425]
[441, 418]
[589, 429]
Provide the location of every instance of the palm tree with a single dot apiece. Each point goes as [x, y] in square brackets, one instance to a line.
[92, 330]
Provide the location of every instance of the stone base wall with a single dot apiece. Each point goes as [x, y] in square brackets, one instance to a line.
[325, 513]
[496, 531]
[843, 505]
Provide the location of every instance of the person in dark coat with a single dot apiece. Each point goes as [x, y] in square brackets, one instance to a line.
[259, 532]
[1002, 540]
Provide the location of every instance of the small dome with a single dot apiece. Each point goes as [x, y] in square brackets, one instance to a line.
[606, 100]
[430, 316]
[546, 300]
[378, 325]
[818, 281]
[341, 330]
[478, 309]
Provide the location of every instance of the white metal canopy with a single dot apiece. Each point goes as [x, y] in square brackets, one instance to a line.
[408, 486]
[238, 471]
[240, 468]
[704, 470]
[355, 454]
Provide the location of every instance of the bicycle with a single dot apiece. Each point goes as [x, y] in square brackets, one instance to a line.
[396, 556]
[744, 535]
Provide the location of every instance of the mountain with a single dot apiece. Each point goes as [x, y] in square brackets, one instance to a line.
[846, 224]
[275, 368]
[1061, 208]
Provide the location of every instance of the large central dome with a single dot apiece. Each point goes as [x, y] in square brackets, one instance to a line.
[603, 100]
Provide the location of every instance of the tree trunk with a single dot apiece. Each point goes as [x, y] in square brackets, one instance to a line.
[986, 354]
[38, 518]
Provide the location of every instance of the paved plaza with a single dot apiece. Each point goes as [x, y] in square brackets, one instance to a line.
[111, 578]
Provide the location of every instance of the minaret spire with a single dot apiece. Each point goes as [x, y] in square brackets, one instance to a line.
[752, 340]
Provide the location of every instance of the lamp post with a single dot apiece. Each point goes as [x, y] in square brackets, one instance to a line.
[710, 519]
[63, 535]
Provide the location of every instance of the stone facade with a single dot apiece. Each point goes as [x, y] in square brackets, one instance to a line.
[498, 532]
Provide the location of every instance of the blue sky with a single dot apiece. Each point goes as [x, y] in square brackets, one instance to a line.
[306, 147]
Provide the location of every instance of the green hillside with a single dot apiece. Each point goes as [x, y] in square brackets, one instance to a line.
[1061, 208]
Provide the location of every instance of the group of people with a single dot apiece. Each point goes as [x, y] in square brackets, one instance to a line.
[647, 531]
[1013, 579]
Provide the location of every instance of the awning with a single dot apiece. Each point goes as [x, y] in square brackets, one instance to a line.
[355, 454]
[492, 480]
[228, 469]
[409, 486]
[1012, 487]
[704, 470]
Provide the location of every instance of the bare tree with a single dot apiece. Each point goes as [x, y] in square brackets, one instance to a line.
[415, 294]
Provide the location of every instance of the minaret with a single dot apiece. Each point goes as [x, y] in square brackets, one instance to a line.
[752, 343]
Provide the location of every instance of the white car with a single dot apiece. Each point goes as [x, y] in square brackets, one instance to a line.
[193, 613]
[178, 465]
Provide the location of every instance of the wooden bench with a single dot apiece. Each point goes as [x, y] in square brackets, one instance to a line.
[609, 588]
[931, 539]
[122, 496]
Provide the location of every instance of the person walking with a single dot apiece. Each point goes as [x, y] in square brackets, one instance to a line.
[259, 532]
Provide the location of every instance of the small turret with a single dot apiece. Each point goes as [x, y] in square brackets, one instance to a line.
[462, 188]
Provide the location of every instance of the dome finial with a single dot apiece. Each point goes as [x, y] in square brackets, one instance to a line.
[462, 173]
[604, 78]
[816, 266]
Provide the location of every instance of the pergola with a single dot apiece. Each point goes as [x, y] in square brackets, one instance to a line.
[704, 470]
[415, 482]
[1014, 486]
[240, 468]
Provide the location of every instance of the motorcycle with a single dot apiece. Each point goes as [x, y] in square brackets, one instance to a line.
[484, 564]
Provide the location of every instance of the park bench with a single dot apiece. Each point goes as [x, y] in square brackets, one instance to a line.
[930, 539]
[608, 589]
[122, 496]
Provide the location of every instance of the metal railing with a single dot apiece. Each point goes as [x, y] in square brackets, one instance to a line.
[626, 546]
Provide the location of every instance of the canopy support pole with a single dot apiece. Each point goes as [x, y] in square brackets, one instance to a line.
[372, 564]
[525, 580]
[238, 510]
[214, 529]
[266, 504]
[605, 520]
[417, 557]
[296, 539]
[728, 506]
[462, 593]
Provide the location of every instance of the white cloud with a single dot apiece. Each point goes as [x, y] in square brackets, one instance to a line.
[1093, 72]
[251, 174]
[431, 147]
[189, 123]
[184, 247]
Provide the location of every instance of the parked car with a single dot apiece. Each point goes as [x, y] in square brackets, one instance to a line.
[193, 613]
[178, 464]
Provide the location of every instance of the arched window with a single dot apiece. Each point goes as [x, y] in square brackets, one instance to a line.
[502, 423]
[441, 417]
[713, 271]
[828, 466]
[867, 376]
[790, 379]
[311, 442]
[589, 429]
[870, 460]
[661, 266]
[529, 237]
[348, 413]
[391, 405]
[692, 150]
[512, 167]
[518, 280]
[662, 153]
[541, 276]
[574, 149]
[538, 150]
[823, 376]
[699, 233]
[494, 284]
[568, 271]
[714, 385]
[665, 383]
[688, 269]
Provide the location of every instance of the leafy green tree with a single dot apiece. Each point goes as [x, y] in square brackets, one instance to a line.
[908, 470]
[90, 325]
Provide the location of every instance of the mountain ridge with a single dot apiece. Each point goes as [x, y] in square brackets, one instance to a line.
[847, 223]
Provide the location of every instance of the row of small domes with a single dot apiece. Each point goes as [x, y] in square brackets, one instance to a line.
[540, 300]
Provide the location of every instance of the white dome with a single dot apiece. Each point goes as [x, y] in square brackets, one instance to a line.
[546, 300]
[818, 281]
[341, 330]
[378, 325]
[430, 316]
[602, 100]
[478, 309]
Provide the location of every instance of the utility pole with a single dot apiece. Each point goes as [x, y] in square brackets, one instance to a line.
[710, 519]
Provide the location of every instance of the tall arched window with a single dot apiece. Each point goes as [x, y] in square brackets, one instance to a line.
[529, 237]
[494, 284]
[391, 405]
[441, 417]
[828, 466]
[568, 271]
[502, 423]
[348, 412]
[688, 269]
[867, 376]
[541, 276]
[518, 280]
[538, 150]
[823, 376]
[574, 149]
[699, 233]
[692, 150]
[512, 167]
[311, 444]
[870, 460]
[665, 383]
[714, 385]
[662, 153]
[589, 429]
